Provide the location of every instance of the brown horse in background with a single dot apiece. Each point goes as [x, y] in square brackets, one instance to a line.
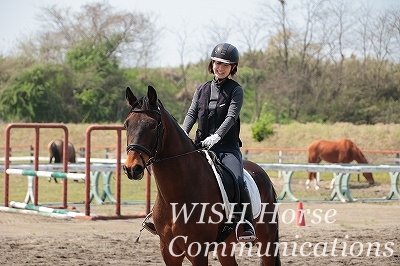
[55, 148]
[339, 151]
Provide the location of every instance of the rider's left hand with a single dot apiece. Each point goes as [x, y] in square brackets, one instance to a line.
[211, 141]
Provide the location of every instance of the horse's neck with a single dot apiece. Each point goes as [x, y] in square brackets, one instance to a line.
[180, 176]
[180, 166]
[175, 141]
[360, 158]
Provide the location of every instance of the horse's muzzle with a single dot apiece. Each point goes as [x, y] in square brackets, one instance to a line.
[134, 173]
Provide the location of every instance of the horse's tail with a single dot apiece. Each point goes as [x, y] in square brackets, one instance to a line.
[278, 256]
[313, 152]
[56, 152]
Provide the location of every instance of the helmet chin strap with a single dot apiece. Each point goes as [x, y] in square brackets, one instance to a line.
[220, 81]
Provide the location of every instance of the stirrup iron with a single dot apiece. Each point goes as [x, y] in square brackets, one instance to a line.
[248, 238]
[149, 226]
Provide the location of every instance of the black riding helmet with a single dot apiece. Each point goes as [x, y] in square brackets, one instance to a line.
[225, 53]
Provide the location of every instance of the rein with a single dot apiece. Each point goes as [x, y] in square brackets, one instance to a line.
[177, 156]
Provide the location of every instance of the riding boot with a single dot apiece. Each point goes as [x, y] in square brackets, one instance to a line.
[248, 227]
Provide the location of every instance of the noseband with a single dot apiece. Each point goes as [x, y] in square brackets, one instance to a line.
[142, 149]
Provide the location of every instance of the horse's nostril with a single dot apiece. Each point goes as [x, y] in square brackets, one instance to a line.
[137, 170]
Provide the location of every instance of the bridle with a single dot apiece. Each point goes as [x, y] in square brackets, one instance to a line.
[157, 145]
[142, 149]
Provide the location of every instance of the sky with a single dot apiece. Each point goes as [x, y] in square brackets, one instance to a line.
[18, 20]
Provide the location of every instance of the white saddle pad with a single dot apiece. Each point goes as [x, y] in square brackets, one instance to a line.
[254, 193]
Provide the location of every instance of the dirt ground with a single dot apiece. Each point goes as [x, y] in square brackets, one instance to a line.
[37, 240]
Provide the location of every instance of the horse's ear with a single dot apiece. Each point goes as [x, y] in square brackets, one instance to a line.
[152, 95]
[130, 98]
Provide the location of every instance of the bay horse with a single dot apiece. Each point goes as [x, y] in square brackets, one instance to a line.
[55, 148]
[185, 178]
[335, 151]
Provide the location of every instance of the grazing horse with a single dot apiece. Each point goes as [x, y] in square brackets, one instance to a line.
[340, 151]
[189, 213]
[55, 148]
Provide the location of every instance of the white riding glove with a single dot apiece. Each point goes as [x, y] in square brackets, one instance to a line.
[211, 141]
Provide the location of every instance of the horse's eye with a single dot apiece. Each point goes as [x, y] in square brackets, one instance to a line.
[126, 124]
[153, 125]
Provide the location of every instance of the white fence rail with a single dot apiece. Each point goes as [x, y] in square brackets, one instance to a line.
[341, 172]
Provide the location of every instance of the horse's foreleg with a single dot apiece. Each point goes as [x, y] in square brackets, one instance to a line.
[198, 256]
[172, 256]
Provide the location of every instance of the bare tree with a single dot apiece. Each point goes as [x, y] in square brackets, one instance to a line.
[251, 33]
[130, 36]
[184, 95]
[340, 26]
[381, 38]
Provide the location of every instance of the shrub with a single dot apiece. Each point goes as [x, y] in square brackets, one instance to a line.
[262, 128]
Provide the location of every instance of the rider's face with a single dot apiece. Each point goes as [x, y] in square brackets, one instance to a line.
[221, 70]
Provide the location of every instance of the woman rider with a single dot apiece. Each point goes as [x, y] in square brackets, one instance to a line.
[216, 106]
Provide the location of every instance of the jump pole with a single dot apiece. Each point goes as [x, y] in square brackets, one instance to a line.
[61, 175]
[20, 205]
[24, 211]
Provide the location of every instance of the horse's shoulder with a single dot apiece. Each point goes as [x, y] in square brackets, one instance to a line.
[347, 144]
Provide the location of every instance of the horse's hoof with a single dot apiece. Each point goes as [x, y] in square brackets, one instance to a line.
[317, 187]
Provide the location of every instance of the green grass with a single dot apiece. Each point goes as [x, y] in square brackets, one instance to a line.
[135, 191]
[131, 191]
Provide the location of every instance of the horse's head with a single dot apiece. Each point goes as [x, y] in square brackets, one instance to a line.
[369, 178]
[144, 132]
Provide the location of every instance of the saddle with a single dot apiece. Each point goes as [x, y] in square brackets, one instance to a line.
[231, 194]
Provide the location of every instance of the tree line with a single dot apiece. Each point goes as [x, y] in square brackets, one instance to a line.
[339, 63]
